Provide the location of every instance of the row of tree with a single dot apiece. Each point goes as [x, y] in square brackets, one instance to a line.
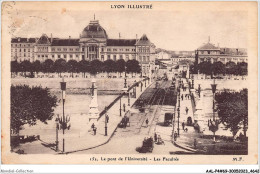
[230, 68]
[233, 110]
[72, 66]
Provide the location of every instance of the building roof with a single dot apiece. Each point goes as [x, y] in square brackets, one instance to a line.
[143, 40]
[94, 30]
[208, 46]
[65, 42]
[23, 40]
[43, 39]
[121, 42]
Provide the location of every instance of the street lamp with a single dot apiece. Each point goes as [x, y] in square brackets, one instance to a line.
[63, 89]
[192, 78]
[178, 109]
[128, 96]
[107, 119]
[199, 90]
[125, 79]
[120, 109]
[57, 134]
[213, 124]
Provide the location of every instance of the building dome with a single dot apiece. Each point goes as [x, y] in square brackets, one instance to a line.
[94, 30]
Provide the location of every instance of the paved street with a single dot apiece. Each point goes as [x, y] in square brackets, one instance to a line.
[133, 135]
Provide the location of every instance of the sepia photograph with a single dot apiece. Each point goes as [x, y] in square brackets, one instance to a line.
[135, 81]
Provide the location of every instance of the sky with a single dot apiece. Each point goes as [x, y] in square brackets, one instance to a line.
[171, 30]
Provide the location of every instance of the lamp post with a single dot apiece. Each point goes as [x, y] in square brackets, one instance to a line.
[128, 96]
[141, 86]
[178, 109]
[120, 109]
[63, 89]
[57, 134]
[192, 78]
[125, 79]
[107, 119]
[213, 124]
[199, 90]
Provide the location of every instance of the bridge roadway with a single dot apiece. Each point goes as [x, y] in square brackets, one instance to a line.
[158, 101]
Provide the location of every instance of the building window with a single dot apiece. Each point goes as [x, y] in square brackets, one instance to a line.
[114, 49]
[120, 49]
[140, 58]
[38, 56]
[148, 58]
[121, 56]
[133, 56]
[64, 49]
[59, 49]
[114, 57]
[144, 59]
[24, 55]
[71, 49]
[108, 49]
[65, 56]
[126, 57]
[83, 49]
[42, 55]
[24, 50]
[59, 56]
[126, 49]
[208, 52]
[102, 49]
[102, 57]
[71, 56]
[133, 49]
[77, 56]
[53, 49]
[108, 56]
[53, 56]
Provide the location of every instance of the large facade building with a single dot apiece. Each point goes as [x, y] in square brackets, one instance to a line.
[92, 44]
[212, 53]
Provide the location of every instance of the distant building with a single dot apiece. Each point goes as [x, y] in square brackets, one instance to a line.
[177, 59]
[92, 44]
[212, 53]
[162, 55]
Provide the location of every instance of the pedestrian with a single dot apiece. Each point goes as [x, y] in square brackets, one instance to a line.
[181, 97]
[95, 130]
[92, 126]
[195, 143]
[124, 107]
[155, 137]
[183, 125]
[188, 96]
[187, 110]
[147, 121]
[175, 136]
[107, 118]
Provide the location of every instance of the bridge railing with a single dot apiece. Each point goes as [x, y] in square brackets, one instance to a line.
[120, 96]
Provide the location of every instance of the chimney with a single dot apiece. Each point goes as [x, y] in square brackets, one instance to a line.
[69, 37]
[237, 51]
[51, 37]
[119, 36]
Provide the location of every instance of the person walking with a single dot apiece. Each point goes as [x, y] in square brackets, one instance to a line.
[187, 110]
[195, 143]
[155, 137]
[147, 122]
[95, 130]
[183, 125]
[175, 136]
[181, 97]
[107, 118]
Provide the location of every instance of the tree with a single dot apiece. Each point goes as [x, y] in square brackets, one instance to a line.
[47, 66]
[109, 66]
[59, 66]
[242, 68]
[205, 67]
[231, 67]
[120, 66]
[84, 67]
[218, 68]
[233, 109]
[26, 66]
[95, 66]
[15, 67]
[132, 66]
[37, 66]
[72, 66]
[29, 104]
